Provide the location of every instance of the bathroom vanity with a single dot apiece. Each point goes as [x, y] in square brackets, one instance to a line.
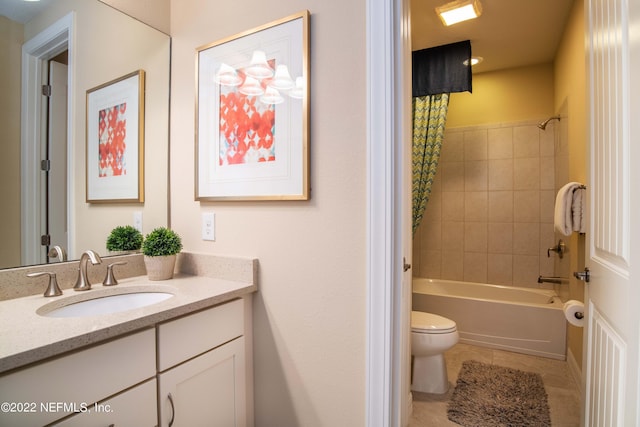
[173, 362]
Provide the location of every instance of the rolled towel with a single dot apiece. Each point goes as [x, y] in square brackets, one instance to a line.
[577, 209]
[563, 215]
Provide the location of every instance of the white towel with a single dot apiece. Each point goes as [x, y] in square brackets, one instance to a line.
[568, 216]
[577, 209]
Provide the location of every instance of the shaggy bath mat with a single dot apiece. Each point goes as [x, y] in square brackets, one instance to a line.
[489, 395]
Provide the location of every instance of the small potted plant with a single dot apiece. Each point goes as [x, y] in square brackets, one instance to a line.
[124, 239]
[159, 249]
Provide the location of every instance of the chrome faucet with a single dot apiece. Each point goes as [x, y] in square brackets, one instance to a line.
[83, 284]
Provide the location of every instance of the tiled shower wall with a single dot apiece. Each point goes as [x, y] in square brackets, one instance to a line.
[490, 216]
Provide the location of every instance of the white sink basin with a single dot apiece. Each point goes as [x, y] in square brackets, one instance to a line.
[104, 304]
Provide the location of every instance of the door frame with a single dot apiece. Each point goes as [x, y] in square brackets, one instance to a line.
[388, 113]
[35, 53]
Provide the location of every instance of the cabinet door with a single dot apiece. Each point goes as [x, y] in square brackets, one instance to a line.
[135, 407]
[209, 390]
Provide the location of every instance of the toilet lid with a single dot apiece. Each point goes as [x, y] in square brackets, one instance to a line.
[431, 323]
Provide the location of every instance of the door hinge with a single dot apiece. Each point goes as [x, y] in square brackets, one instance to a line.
[46, 90]
[45, 165]
[45, 240]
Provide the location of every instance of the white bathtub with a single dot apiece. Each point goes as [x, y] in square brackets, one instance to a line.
[522, 320]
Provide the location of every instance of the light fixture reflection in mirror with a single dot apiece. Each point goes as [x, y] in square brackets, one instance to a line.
[259, 68]
[259, 79]
[271, 96]
[251, 87]
[298, 91]
[227, 76]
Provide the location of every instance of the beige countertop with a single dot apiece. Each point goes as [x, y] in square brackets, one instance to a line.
[27, 337]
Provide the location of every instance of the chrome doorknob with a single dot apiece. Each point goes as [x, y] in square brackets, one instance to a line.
[583, 275]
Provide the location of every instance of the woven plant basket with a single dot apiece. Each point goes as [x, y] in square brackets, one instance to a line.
[160, 267]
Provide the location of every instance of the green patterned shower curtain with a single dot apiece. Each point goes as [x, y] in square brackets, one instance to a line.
[429, 118]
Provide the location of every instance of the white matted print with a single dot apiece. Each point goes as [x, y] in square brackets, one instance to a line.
[115, 140]
[252, 114]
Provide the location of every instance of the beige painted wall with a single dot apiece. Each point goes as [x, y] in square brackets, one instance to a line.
[151, 12]
[309, 315]
[11, 38]
[138, 47]
[505, 96]
[571, 86]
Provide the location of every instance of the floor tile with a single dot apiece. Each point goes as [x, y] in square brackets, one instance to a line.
[430, 410]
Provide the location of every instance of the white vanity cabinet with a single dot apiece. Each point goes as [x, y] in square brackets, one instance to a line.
[202, 360]
[49, 391]
[204, 373]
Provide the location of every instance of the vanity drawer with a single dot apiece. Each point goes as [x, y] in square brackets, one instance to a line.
[53, 389]
[189, 336]
[135, 407]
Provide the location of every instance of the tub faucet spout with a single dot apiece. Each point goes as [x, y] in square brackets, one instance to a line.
[555, 280]
[83, 284]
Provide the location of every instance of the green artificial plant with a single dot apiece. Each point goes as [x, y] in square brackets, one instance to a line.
[161, 242]
[124, 238]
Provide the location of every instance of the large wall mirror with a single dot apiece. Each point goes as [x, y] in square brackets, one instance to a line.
[73, 46]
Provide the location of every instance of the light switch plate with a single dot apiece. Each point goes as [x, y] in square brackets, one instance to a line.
[208, 226]
[137, 220]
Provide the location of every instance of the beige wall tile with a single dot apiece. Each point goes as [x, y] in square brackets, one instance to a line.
[500, 238]
[453, 205]
[526, 238]
[475, 145]
[526, 173]
[500, 143]
[526, 206]
[453, 236]
[452, 147]
[526, 141]
[525, 270]
[452, 265]
[500, 206]
[476, 206]
[475, 267]
[475, 237]
[475, 175]
[500, 269]
[500, 174]
[452, 176]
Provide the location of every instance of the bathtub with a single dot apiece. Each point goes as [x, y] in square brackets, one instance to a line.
[522, 320]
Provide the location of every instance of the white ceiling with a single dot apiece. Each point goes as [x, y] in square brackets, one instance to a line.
[22, 11]
[509, 33]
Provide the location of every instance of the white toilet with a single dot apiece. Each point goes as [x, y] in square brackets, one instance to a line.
[431, 336]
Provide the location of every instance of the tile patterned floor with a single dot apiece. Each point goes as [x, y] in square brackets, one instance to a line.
[563, 393]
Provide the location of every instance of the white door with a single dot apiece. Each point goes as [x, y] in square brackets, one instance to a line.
[613, 241]
[57, 155]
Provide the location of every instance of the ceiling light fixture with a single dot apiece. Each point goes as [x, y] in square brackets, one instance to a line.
[474, 60]
[458, 11]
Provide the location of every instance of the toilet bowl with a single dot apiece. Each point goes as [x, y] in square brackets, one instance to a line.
[431, 336]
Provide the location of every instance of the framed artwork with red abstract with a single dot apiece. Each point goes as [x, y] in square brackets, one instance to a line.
[252, 114]
[115, 140]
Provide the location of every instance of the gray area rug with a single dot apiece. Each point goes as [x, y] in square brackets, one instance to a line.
[490, 395]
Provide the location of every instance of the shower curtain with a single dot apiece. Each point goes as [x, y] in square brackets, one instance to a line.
[429, 118]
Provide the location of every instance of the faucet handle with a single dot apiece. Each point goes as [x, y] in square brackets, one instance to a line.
[53, 290]
[110, 279]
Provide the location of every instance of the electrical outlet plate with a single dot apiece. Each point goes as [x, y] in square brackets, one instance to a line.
[208, 226]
